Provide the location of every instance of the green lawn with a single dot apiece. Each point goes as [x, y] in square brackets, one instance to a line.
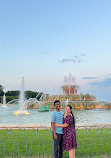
[33, 143]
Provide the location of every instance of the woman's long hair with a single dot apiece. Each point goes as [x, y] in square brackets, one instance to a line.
[72, 115]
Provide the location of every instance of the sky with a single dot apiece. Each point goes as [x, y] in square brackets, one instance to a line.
[45, 40]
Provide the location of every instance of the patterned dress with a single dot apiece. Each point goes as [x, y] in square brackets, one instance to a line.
[69, 134]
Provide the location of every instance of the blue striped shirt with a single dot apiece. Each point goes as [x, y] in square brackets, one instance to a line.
[57, 117]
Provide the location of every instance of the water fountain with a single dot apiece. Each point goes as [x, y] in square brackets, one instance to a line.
[67, 101]
[4, 102]
[84, 116]
[43, 105]
[22, 110]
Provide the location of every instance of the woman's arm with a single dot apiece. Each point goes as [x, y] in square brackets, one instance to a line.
[61, 125]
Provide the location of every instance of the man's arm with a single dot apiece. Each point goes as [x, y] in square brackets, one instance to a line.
[53, 129]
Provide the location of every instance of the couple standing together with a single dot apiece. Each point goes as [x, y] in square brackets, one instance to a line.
[64, 134]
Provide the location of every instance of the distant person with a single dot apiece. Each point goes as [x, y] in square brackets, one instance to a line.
[57, 117]
[69, 132]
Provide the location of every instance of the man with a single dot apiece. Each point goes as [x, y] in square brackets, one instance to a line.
[57, 117]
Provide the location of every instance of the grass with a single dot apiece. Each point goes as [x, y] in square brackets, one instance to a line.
[30, 143]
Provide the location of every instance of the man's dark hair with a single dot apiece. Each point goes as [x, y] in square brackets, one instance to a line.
[56, 102]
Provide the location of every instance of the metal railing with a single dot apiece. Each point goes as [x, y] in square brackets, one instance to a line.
[92, 142]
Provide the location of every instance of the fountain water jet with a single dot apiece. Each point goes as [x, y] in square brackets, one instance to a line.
[67, 101]
[4, 102]
[22, 110]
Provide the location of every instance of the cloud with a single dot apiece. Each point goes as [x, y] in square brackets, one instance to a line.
[89, 78]
[105, 83]
[73, 59]
[67, 60]
[76, 56]
[100, 86]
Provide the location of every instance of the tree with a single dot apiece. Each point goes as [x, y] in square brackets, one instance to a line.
[30, 94]
[12, 93]
[1, 90]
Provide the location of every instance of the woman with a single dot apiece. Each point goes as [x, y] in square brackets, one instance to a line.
[69, 133]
